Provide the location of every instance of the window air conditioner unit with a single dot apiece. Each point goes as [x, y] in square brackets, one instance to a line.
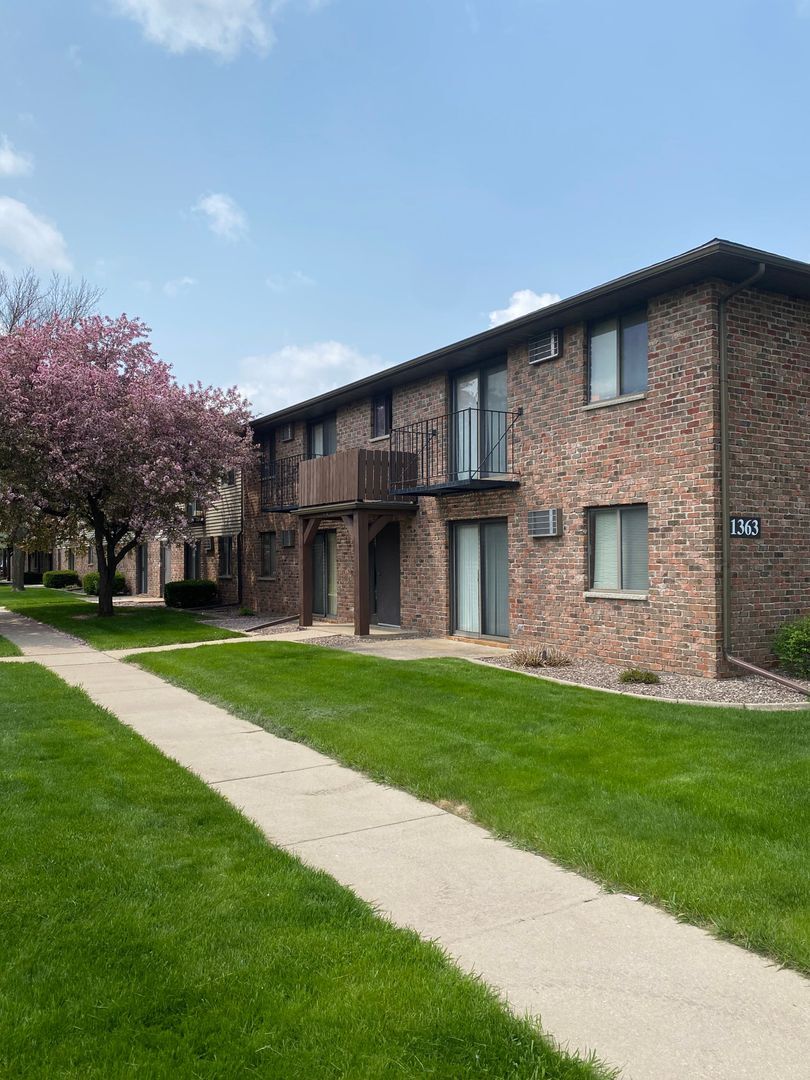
[545, 522]
[288, 538]
[545, 347]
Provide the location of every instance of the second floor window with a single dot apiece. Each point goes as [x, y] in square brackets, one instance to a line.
[380, 416]
[322, 437]
[618, 357]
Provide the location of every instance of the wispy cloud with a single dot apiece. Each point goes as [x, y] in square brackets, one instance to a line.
[297, 372]
[224, 215]
[31, 238]
[12, 162]
[520, 303]
[221, 27]
[282, 283]
[178, 285]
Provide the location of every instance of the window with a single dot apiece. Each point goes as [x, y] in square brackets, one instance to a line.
[71, 559]
[322, 437]
[380, 416]
[230, 477]
[267, 554]
[619, 550]
[288, 432]
[618, 357]
[91, 555]
[192, 561]
[267, 456]
[225, 556]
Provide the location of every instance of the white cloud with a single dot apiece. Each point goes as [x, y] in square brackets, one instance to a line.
[12, 162]
[520, 303]
[297, 372]
[31, 238]
[282, 283]
[222, 27]
[225, 217]
[178, 285]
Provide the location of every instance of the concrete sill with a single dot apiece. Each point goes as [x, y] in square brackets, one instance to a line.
[225, 577]
[623, 400]
[380, 438]
[599, 594]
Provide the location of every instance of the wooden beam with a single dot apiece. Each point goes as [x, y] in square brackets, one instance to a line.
[306, 537]
[362, 602]
[379, 524]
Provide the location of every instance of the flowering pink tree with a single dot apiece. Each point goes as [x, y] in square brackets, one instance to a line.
[98, 438]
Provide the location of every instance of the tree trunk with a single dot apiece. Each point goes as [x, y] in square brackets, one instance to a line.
[106, 578]
[17, 569]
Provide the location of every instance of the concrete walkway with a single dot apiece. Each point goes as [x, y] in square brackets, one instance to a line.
[661, 999]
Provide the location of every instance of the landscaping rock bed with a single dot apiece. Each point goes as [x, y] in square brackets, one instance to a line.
[228, 618]
[750, 690]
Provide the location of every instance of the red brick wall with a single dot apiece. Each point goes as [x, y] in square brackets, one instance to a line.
[769, 420]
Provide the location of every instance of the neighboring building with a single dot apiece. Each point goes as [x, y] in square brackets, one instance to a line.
[558, 479]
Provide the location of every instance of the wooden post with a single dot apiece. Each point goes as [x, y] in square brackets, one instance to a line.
[362, 603]
[307, 529]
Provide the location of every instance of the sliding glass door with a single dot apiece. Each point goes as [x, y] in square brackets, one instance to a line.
[481, 578]
[324, 573]
[479, 423]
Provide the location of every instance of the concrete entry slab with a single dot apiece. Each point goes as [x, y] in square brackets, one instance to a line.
[325, 801]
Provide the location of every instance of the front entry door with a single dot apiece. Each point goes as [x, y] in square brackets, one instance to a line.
[481, 578]
[384, 563]
[324, 573]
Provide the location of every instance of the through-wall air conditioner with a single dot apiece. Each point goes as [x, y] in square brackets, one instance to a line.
[288, 538]
[545, 347]
[545, 522]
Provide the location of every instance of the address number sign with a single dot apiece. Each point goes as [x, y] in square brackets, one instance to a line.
[747, 527]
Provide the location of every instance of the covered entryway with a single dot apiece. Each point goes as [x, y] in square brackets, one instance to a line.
[384, 567]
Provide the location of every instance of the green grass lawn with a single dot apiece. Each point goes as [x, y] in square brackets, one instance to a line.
[703, 811]
[147, 929]
[7, 648]
[130, 627]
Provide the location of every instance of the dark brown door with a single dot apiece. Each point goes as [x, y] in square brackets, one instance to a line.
[386, 575]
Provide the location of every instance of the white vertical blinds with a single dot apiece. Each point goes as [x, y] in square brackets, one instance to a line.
[605, 549]
[468, 579]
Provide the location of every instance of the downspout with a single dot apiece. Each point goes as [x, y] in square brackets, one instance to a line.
[725, 490]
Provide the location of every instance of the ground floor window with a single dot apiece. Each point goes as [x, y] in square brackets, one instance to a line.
[142, 568]
[267, 554]
[71, 559]
[324, 573]
[192, 561]
[619, 549]
[481, 578]
[225, 556]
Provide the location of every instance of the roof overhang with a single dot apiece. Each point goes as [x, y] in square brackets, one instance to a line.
[718, 259]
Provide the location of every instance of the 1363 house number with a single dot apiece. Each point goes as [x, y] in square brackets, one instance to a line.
[747, 527]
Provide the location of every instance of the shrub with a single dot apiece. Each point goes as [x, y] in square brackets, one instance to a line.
[193, 592]
[32, 577]
[639, 675]
[59, 579]
[540, 656]
[246, 611]
[90, 584]
[792, 647]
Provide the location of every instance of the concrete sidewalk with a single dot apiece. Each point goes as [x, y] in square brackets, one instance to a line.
[661, 999]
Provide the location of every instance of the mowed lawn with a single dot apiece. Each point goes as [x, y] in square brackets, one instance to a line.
[704, 811]
[147, 929]
[8, 648]
[130, 627]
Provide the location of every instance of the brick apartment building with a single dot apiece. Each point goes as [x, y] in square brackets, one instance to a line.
[578, 477]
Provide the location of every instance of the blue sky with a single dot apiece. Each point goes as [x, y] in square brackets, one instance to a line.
[293, 193]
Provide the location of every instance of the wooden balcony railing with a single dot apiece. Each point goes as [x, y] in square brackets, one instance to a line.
[348, 476]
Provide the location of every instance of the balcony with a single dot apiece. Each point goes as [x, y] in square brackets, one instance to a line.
[349, 478]
[280, 484]
[468, 450]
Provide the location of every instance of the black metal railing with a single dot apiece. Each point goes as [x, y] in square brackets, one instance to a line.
[464, 449]
[280, 483]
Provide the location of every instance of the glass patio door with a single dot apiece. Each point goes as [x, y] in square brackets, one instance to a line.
[479, 423]
[324, 573]
[481, 578]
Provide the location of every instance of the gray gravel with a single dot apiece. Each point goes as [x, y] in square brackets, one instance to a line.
[228, 618]
[748, 690]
